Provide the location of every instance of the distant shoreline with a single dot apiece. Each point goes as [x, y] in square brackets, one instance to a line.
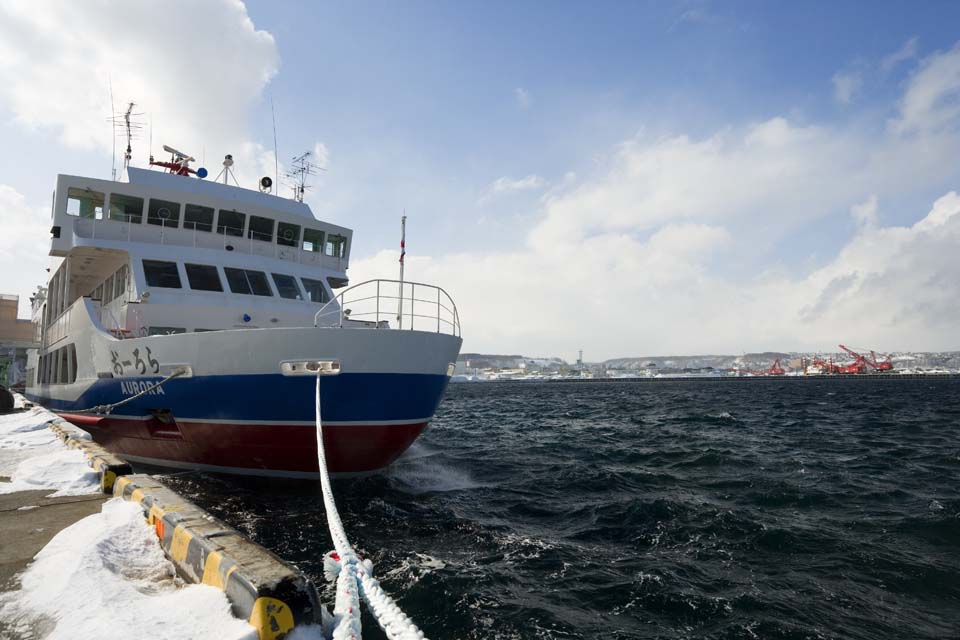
[837, 376]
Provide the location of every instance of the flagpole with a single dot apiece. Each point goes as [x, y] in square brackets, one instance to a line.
[403, 252]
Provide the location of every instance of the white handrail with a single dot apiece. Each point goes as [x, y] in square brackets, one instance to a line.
[442, 311]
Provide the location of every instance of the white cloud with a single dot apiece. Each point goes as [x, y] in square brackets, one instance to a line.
[523, 98]
[505, 185]
[612, 294]
[24, 245]
[846, 85]
[321, 155]
[671, 245]
[932, 99]
[195, 68]
[905, 53]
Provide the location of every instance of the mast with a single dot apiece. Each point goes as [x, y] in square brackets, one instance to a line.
[403, 252]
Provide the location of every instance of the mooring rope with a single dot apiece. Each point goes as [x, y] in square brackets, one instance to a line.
[355, 578]
[107, 408]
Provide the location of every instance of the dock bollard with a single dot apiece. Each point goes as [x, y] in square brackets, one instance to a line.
[267, 592]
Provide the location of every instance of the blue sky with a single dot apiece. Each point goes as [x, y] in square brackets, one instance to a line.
[576, 173]
[428, 91]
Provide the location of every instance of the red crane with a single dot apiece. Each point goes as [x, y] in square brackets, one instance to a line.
[774, 370]
[863, 362]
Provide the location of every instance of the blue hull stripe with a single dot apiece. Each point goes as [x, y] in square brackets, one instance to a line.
[348, 397]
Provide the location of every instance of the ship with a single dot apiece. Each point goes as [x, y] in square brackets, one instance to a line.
[188, 320]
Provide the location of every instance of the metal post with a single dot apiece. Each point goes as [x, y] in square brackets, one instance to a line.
[413, 297]
[438, 310]
[378, 304]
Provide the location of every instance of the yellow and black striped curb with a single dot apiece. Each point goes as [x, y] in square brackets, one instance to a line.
[109, 466]
[270, 594]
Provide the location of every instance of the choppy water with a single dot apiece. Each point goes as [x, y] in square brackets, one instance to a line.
[746, 509]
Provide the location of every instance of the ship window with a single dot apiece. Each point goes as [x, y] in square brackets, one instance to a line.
[163, 212]
[120, 282]
[287, 286]
[312, 240]
[165, 331]
[161, 274]
[336, 246]
[72, 361]
[198, 218]
[98, 292]
[63, 371]
[288, 234]
[247, 282]
[316, 292]
[85, 203]
[203, 277]
[260, 229]
[108, 289]
[230, 223]
[126, 208]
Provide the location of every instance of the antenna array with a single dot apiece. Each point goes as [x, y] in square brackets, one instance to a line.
[127, 125]
[300, 169]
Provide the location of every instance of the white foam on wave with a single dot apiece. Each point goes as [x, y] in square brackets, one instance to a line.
[418, 471]
[723, 415]
[413, 568]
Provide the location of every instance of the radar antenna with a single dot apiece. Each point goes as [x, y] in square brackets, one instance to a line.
[179, 163]
[296, 176]
[126, 124]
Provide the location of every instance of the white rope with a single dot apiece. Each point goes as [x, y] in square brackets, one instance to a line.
[352, 573]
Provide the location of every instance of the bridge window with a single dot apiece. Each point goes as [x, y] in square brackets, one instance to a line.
[161, 274]
[288, 234]
[336, 246]
[316, 292]
[85, 203]
[287, 286]
[313, 240]
[247, 282]
[163, 213]
[230, 223]
[126, 208]
[203, 277]
[260, 229]
[198, 218]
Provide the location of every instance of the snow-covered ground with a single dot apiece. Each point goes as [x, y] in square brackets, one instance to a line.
[106, 577]
[33, 457]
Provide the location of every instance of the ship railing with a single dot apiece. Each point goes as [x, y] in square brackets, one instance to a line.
[131, 228]
[378, 303]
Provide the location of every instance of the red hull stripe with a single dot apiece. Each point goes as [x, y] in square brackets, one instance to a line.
[256, 447]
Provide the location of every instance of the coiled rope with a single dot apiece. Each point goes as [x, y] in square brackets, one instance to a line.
[355, 577]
